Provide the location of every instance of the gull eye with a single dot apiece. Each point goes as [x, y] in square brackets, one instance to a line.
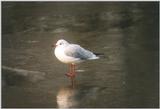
[60, 43]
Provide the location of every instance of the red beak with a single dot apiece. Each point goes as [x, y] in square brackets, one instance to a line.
[53, 45]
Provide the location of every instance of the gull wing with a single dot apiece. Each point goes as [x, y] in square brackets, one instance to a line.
[77, 51]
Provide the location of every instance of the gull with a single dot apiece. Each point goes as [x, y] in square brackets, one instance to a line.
[72, 54]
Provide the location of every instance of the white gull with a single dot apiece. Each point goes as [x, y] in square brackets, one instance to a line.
[72, 54]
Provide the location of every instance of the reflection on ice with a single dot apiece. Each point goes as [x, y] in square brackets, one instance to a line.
[81, 96]
[66, 97]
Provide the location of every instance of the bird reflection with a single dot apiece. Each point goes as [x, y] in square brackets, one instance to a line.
[66, 97]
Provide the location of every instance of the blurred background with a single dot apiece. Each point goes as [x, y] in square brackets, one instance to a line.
[126, 32]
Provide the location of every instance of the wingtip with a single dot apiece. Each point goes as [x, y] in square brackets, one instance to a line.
[100, 55]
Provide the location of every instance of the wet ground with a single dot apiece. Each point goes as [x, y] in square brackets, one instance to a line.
[127, 33]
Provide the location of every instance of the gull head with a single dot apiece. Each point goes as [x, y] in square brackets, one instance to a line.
[61, 42]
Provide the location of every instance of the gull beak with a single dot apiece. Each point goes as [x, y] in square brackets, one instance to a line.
[53, 45]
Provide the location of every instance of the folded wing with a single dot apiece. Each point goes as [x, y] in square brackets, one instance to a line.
[77, 51]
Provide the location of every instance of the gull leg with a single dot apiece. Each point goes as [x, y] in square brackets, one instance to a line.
[74, 69]
[71, 74]
[70, 71]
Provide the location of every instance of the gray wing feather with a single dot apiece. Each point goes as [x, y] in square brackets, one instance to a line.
[77, 51]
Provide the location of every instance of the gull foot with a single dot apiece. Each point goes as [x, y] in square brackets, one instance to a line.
[71, 75]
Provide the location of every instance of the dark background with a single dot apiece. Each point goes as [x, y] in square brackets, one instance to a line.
[126, 32]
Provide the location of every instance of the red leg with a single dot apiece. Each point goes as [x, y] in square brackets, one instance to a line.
[73, 75]
[71, 72]
[74, 69]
